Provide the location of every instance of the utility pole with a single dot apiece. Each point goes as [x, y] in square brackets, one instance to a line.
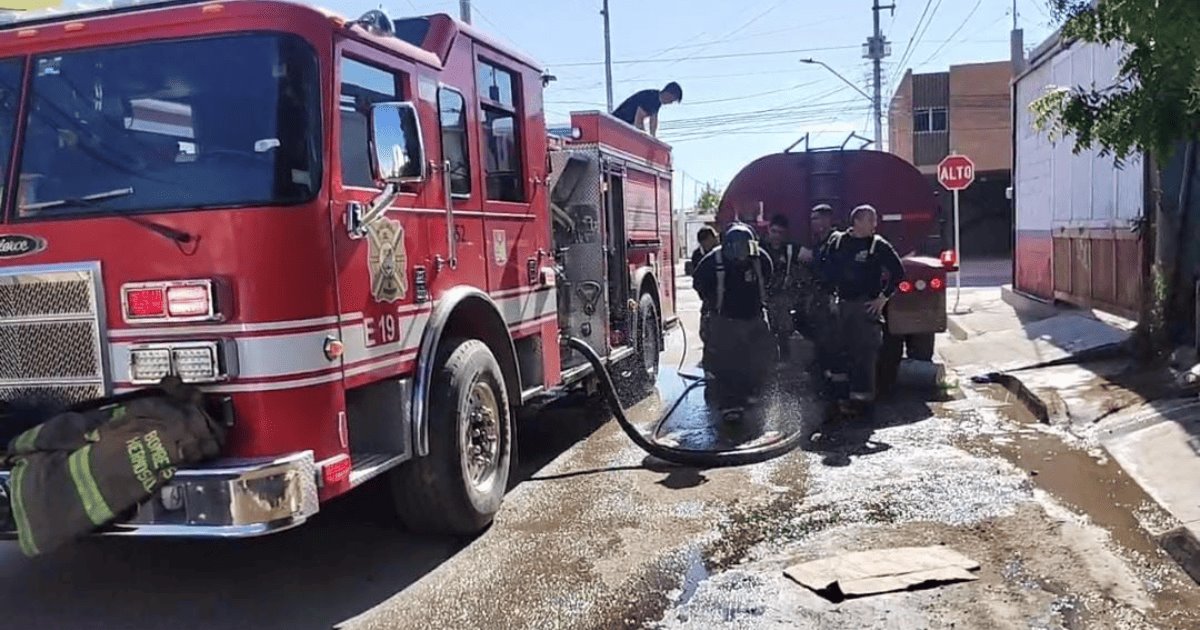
[607, 57]
[1017, 45]
[464, 10]
[877, 49]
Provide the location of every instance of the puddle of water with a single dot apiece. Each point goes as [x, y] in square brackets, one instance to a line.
[695, 574]
[1102, 490]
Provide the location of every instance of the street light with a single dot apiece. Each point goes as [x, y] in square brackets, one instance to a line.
[837, 74]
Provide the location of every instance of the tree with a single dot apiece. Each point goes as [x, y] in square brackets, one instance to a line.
[709, 199]
[1151, 107]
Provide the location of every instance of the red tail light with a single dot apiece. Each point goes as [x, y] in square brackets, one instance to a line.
[937, 284]
[184, 300]
[336, 470]
[905, 287]
[148, 303]
[949, 258]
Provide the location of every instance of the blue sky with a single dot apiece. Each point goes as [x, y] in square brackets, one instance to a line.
[743, 96]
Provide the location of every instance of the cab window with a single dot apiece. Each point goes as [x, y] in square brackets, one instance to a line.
[498, 97]
[455, 150]
[362, 86]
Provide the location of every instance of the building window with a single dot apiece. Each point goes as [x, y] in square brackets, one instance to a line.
[929, 120]
[362, 86]
[501, 131]
[453, 116]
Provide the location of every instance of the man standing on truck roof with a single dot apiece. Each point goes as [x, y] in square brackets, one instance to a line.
[644, 105]
[786, 280]
[864, 271]
[732, 282]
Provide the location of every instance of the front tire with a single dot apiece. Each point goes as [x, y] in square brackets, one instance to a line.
[458, 488]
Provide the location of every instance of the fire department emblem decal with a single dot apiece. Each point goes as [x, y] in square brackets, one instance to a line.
[387, 261]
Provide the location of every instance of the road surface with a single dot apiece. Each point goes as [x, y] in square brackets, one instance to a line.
[595, 536]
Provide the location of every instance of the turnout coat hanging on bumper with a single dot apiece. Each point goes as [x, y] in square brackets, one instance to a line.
[80, 470]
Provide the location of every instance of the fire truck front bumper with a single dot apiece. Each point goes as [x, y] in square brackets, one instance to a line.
[240, 498]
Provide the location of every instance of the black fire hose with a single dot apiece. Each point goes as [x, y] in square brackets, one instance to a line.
[740, 456]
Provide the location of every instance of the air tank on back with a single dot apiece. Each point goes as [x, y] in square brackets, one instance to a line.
[792, 183]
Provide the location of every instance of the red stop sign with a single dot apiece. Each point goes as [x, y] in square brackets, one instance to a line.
[956, 172]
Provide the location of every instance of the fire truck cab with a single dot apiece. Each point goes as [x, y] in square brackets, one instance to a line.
[355, 236]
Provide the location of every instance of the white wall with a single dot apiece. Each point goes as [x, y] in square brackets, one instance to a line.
[1055, 187]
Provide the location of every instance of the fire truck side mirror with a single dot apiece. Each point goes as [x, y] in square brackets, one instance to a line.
[398, 152]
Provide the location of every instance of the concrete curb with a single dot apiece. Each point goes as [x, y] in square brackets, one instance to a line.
[957, 329]
[1028, 399]
[1184, 549]
[1028, 306]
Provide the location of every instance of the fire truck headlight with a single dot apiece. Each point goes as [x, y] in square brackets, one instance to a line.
[192, 362]
[196, 364]
[149, 365]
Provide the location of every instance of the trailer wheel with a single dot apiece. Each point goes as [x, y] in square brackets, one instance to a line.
[919, 347]
[888, 366]
[458, 487]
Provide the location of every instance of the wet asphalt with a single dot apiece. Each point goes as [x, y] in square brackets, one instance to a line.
[596, 535]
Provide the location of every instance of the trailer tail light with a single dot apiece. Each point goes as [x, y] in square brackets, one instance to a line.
[180, 301]
[949, 259]
[905, 287]
[937, 284]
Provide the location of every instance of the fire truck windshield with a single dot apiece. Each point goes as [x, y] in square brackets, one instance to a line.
[172, 125]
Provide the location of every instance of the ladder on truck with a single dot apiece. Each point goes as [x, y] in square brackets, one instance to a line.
[825, 170]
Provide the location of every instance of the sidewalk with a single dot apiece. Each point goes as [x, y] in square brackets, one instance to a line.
[1141, 418]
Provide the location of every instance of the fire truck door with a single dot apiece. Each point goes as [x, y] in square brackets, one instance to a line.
[390, 272]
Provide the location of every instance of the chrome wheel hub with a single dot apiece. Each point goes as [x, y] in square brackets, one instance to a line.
[481, 437]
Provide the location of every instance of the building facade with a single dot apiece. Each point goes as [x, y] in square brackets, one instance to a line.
[966, 110]
[1075, 213]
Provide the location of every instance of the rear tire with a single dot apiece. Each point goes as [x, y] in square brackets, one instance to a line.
[643, 373]
[920, 347]
[888, 366]
[458, 488]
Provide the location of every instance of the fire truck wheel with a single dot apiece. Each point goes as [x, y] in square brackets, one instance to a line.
[649, 346]
[458, 487]
[919, 347]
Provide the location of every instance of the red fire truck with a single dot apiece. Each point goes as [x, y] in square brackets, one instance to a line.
[791, 183]
[356, 236]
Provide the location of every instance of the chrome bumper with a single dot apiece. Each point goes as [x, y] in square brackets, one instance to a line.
[221, 499]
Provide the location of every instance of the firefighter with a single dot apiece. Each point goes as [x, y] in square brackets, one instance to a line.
[864, 271]
[786, 280]
[732, 281]
[815, 307]
[706, 240]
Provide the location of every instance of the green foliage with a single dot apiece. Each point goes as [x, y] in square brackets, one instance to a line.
[709, 199]
[1155, 100]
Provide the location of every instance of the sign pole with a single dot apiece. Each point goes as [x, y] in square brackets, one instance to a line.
[957, 258]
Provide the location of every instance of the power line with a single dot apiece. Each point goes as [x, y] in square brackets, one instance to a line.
[761, 53]
[709, 45]
[913, 37]
[954, 34]
[915, 40]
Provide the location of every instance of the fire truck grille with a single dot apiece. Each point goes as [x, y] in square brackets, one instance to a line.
[50, 340]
